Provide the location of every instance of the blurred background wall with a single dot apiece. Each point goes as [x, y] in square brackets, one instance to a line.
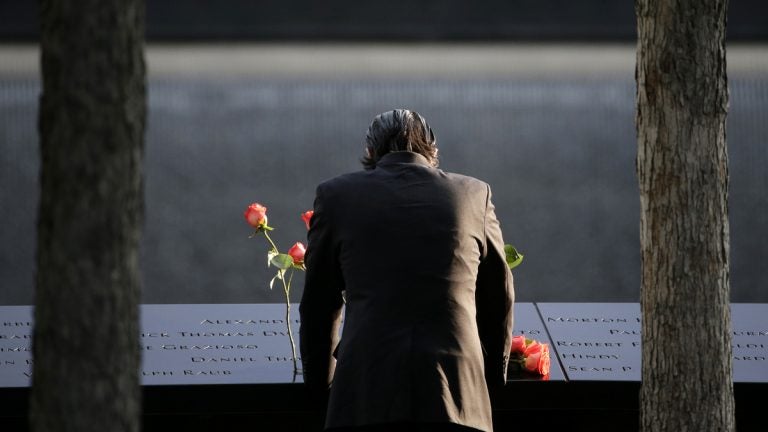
[403, 20]
[260, 101]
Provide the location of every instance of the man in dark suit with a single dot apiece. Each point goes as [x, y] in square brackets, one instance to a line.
[418, 256]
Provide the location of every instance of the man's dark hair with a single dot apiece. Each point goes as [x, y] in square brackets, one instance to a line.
[399, 130]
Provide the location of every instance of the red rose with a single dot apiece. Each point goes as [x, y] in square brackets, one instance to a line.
[297, 252]
[532, 354]
[306, 216]
[518, 344]
[537, 358]
[256, 215]
[544, 360]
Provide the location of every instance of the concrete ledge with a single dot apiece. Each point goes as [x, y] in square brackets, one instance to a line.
[377, 61]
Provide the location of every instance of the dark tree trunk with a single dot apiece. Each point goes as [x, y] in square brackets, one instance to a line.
[91, 125]
[682, 165]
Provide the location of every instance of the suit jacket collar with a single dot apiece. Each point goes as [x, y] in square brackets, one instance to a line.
[402, 157]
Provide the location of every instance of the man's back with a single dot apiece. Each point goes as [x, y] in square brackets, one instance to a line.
[408, 241]
[419, 256]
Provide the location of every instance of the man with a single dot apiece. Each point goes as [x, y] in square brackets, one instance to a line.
[419, 257]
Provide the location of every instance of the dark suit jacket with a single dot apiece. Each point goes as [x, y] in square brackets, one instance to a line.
[419, 256]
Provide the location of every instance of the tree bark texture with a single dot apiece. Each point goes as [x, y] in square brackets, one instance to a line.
[91, 125]
[682, 166]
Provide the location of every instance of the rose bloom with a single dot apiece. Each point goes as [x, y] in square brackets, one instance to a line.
[518, 344]
[297, 252]
[306, 216]
[537, 358]
[532, 354]
[544, 361]
[256, 215]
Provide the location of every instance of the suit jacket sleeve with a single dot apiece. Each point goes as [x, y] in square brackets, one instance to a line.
[495, 299]
[321, 302]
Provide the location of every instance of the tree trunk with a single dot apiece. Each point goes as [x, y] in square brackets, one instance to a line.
[91, 125]
[682, 165]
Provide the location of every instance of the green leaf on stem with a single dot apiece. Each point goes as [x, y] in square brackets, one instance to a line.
[271, 254]
[282, 261]
[515, 365]
[514, 258]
